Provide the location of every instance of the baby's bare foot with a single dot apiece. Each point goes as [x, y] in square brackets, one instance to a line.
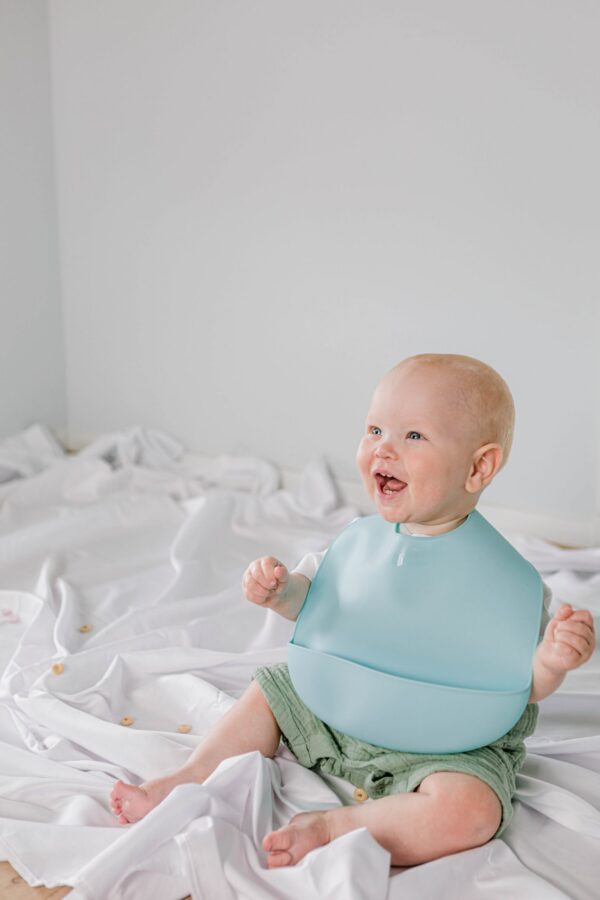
[289, 844]
[130, 803]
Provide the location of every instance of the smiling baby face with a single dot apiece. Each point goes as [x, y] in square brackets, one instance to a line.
[434, 438]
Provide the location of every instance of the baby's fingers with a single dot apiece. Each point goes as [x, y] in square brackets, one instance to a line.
[570, 642]
[267, 568]
[564, 611]
[583, 615]
[575, 627]
[282, 575]
[254, 584]
[563, 614]
[274, 573]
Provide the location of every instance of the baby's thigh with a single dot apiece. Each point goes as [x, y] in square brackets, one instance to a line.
[465, 803]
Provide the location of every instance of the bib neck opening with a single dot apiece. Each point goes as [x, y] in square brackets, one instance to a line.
[434, 537]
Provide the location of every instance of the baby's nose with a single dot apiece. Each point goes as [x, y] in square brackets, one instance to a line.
[385, 449]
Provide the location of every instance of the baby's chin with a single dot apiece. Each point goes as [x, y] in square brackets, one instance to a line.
[388, 509]
[389, 515]
[390, 512]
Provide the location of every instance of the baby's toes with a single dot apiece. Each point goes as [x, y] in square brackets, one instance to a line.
[279, 858]
[115, 794]
[115, 802]
[120, 802]
[278, 840]
[278, 844]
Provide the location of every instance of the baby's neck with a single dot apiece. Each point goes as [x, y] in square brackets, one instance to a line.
[440, 528]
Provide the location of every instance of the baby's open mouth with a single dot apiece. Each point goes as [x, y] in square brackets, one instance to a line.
[387, 485]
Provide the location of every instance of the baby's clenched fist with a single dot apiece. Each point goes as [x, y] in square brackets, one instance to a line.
[265, 580]
[569, 639]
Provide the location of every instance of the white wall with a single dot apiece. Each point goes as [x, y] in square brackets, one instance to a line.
[265, 205]
[32, 371]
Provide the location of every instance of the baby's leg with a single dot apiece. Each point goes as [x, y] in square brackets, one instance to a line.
[249, 725]
[449, 812]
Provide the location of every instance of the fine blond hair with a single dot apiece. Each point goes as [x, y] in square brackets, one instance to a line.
[485, 395]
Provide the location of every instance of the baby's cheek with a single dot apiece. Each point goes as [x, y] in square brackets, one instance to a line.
[431, 494]
[362, 459]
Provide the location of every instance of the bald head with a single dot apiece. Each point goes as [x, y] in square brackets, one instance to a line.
[481, 395]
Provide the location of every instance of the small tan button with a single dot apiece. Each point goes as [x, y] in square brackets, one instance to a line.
[360, 795]
[85, 628]
[58, 668]
[184, 729]
[127, 720]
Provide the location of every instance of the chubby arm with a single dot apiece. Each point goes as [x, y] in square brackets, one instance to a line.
[568, 643]
[267, 582]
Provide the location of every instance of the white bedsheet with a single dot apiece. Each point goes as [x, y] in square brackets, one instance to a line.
[148, 546]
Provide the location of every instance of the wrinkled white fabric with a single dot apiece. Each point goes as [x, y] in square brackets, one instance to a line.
[28, 452]
[147, 546]
[216, 829]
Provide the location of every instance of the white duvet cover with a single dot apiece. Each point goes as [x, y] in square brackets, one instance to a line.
[147, 546]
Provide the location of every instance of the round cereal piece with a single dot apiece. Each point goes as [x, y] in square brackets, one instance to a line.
[127, 720]
[85, 628]
[184, 729]
[58, 668]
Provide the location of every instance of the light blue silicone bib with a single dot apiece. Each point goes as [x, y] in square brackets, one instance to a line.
[418, 644]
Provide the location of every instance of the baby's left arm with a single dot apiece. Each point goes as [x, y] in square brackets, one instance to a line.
[569, 641]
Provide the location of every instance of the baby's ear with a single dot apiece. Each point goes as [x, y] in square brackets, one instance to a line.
[484, 466]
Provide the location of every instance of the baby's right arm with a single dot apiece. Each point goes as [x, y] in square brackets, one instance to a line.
[268, 583]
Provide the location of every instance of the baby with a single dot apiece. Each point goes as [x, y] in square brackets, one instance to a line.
[438, 430]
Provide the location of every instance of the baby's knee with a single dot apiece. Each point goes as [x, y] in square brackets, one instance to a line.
[468, 809]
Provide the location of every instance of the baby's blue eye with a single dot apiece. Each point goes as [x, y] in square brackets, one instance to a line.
[374, 428]
[419, 435]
